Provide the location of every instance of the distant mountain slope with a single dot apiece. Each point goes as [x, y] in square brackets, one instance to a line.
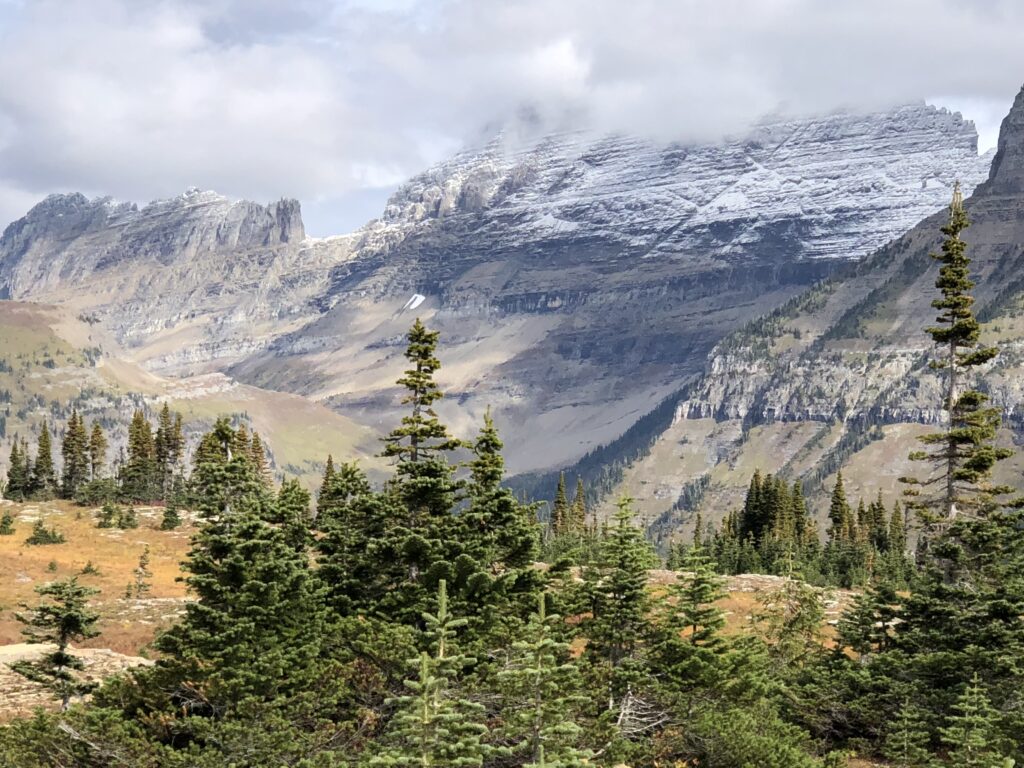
[577, 279]
[839, 377]
[51, 362]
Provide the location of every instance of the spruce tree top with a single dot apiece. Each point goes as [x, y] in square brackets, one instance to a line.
[421, 433]
[959, 328]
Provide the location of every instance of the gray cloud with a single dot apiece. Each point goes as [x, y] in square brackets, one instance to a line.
[333, 102]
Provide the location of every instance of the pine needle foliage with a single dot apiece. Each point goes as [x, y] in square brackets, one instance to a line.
[964, 455]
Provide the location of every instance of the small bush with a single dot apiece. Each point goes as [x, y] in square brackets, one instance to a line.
[128, 518]
[6, 524]
[107, 517]
[43, 535]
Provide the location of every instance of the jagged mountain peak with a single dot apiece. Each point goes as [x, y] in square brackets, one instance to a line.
[1007, 174]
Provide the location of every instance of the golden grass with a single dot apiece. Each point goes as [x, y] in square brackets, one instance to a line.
[126, 625]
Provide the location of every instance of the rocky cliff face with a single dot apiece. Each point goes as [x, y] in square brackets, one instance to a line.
[192, 277]
[576, 279]
[840, 376]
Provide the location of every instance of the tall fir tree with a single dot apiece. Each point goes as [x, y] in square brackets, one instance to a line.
[619, 604]
[140, 474]
[499, 532]
[168, 450]
[44, 477]
[840, 514]
[971, 734]
[353, 522]
[254, 631]
[420, 547]
[19, 482]
[259, 459]
[578, 512]
[75, 454]
[421, 435]
[908, 739]
[965, 454]
[561, 515]
[293, 511]
[97, 451]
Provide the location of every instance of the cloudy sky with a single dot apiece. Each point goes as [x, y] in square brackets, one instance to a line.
[337, 101]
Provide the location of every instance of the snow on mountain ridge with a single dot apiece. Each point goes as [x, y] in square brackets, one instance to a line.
[881, 172]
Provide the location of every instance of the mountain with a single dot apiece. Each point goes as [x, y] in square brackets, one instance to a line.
[839, 377]
[577, 280]
[52, 362]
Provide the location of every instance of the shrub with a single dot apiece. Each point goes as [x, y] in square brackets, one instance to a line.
[43, 535]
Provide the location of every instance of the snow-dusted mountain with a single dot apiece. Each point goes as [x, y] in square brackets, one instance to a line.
[839, 378]
[576, 279]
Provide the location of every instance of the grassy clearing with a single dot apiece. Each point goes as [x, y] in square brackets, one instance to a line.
[127, 625]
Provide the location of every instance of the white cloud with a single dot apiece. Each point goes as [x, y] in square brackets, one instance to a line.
[331, 100]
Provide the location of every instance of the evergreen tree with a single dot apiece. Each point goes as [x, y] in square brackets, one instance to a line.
[140, 475]
[619, 603]
[791, 622]
[965, 453]
[18, 473]
[97, 451]
[840, 514]
[579, 507]
[897, 530]
[168, 450]
[61, 618]
[254, 630]
[907, 741]
[6, 523]
[223, 477]
[171, 517]
[539, 689]
[42, 535]
[560, 512]
[338, 489]
[354, 549]
[126, 518]
[293, 512]
[697, 594]
[108, 516]
[259, 459]
[434, 726]
[971, 734]
[142, 574]
[867, 627]
[497, 530]
[421, 546]
[421, 435]
[687, 648]
[75, 454]
[44, 478]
